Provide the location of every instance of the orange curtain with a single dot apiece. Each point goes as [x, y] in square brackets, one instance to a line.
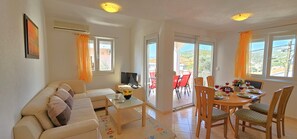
[242, 55]
[84, 60]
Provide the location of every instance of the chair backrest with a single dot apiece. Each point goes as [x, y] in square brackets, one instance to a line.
[205, 99]
[184, 80]
[175, 81]
[210, 81]
[256, 84]
[153, 80]
[198, 81]
[273, 103]
[281, 110]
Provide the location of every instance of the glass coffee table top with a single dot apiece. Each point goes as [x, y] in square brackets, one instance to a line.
[132, 102]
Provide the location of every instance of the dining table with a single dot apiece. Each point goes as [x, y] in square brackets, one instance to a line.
[235, 100]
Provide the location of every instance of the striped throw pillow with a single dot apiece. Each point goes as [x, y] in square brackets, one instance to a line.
[65, 96]
[58, 111]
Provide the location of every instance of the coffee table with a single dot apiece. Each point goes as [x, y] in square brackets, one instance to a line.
[124, 112]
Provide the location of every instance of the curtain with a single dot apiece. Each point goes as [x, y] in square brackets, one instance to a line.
[242, 55]
[84, 60]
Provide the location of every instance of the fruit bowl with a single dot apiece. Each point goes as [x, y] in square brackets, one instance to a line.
[127, 96]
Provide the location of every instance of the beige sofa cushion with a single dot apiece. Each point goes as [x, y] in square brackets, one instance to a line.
[81, 103]
[99, 94]
[39, 102]
[58, 111]
[27, 128]
[82, 114]
[44, 120]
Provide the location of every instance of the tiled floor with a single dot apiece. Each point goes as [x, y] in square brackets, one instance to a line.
[184, 100]
[183, 124]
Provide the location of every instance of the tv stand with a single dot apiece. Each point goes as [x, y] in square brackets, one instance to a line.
[137, 92]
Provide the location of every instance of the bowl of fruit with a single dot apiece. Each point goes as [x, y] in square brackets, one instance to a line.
[127, 93]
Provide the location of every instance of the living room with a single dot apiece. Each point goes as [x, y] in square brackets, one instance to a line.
[23, 78]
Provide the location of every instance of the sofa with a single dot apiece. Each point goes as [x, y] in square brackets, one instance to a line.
[83, 123]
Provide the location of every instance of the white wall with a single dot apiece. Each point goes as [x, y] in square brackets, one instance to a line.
[227, 44]
[63, 54]
[21, 78]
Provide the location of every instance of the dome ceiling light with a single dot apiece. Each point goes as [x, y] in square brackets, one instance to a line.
[241, 16]
[110, 7]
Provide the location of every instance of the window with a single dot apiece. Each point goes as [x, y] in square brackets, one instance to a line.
[102, 54]
[280, 55]
[256, 56]
[205, 60]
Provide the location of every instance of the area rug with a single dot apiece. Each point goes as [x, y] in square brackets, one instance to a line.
[133, 130]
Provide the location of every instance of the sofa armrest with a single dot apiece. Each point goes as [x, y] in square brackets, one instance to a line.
[70, 130]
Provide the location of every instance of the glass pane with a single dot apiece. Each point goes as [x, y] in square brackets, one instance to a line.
[282, 57]
[183, 80]
[205, 60]
[92, 54]
[105, 55]
[257, 57]
[151, 71]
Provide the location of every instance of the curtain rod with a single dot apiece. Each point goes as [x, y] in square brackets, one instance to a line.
[271, 27]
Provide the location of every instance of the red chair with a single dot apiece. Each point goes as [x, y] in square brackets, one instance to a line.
[184, 83]
[153, 81]
[175, 85]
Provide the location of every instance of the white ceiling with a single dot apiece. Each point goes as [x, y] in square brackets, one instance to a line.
[211, 15]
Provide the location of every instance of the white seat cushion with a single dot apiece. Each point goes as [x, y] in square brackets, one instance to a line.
[82, 103]
[82, 114]
[99, 94]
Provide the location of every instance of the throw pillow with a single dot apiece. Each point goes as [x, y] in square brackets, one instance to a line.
[65, 96]
[58, 111]
[67, 88]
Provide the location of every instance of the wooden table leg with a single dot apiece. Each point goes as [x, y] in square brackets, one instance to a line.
[106, 106]
[143, 114]
[229, 118]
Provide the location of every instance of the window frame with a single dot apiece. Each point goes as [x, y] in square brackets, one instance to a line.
[263, 75]
[97, 70]
[268, 56]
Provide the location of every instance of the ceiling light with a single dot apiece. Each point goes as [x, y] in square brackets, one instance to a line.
[110, 7]
[241, 16]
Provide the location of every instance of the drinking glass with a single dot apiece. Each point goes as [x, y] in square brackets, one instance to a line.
[241, 88]
[247, 84]
[227, 91]
[217, 87]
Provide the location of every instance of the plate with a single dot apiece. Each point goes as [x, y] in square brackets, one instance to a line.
[219, 97]
[253, 91]
[246, 96]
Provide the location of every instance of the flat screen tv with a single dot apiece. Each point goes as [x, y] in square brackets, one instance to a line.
[129, 78]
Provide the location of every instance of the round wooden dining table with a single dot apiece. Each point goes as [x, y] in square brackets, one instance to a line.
[233, 102]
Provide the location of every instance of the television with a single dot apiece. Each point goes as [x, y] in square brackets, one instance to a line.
[129, 78]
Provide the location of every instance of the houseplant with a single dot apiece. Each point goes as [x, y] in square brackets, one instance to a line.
[236, 83]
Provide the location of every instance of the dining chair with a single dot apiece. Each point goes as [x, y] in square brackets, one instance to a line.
[210, 81]
[153, 82]
[256, 84]
[184, 83]
[198, 81]
[279, 114]
[175, 86]
[206, 111]
[256, 118]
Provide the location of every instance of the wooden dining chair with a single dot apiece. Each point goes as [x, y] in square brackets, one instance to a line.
[279, 114]
[210, 81]
[206, 111]
[256, 118]
[198, 81]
